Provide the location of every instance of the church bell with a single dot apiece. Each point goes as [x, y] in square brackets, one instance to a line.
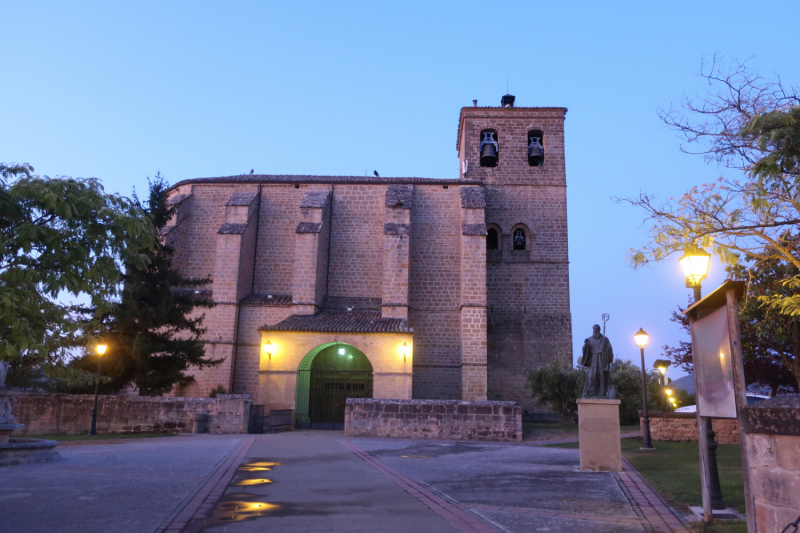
[535, 152]
[489, 150]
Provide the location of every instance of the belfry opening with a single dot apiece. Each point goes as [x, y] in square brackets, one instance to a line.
[326, 377]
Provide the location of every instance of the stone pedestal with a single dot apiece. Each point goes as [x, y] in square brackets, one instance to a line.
[6, 430]
[598, 425]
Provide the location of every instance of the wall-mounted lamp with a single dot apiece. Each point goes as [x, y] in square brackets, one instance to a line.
[268, 348]
[405, 351]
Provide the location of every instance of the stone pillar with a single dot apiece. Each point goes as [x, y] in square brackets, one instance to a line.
[773, 452]
[396, 231]
[473, 294]
[598, 435]
[310, 281]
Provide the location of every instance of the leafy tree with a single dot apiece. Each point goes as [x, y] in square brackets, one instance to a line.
[751, 126]
[559, 385]
[59, 237]
[154, 332]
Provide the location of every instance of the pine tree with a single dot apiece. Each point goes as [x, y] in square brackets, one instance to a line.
[154, 333]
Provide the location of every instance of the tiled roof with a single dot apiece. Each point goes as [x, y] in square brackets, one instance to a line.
[268, 299]
[342, 322]
[316, 199]
[472, 198]
[366, 180]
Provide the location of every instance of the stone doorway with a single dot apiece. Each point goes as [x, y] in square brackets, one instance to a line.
[326, 377]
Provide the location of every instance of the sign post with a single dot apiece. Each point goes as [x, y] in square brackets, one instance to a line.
[719, 377]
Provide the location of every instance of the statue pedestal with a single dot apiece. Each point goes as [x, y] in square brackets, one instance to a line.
[598, 426]
[6, 430]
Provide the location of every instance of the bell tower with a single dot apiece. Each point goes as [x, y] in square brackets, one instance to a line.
[517, 154]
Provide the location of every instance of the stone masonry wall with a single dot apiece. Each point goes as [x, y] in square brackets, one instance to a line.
[433, 419]
[682, 427]
[773, 452]
[434, 294]
[70, 414]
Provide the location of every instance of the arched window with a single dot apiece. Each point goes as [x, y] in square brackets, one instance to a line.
[490, 150]
[535, 148]
[519, 237]
[492, 238]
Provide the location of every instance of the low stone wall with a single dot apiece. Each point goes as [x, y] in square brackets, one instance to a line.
[70, 414]
[433, 419]
[773, 451]
[682, 427]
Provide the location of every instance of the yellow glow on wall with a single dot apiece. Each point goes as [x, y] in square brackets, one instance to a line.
[268, 349]
[405, 351]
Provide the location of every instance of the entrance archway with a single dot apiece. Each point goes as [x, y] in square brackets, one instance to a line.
[326, 377]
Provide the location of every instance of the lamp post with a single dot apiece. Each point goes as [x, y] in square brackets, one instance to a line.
[641, 338]
[695, 263]
[100, 349]
[662, 365]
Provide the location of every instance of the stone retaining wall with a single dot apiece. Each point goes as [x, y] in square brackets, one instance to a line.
[70, 414]
[433, 419]
[682, 427]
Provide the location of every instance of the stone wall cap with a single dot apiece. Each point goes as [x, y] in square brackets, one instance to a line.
[309, 227]
[667, 414]
[433, 402]
[472, 198]
[233, 397]
[241, 198]
[777, 416]
[232, 229]
[315, 199]
[599, 401]
[399, 196]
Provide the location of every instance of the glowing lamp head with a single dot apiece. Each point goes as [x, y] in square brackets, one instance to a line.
[669, 392]
[672, 401]
[641, 337]
[101, 349]
[341, 351]
[404, 349]
[695, 264]
[267, 348]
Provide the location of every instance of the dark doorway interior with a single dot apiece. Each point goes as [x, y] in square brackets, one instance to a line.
[337, 373]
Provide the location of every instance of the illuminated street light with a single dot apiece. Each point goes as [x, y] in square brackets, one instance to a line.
[641, 338]
[695, 264]
[101, 350]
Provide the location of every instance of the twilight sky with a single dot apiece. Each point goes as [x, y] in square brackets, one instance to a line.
[197, 89]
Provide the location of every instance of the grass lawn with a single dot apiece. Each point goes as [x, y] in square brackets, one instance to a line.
[736, 526]
[674, 470]
[104, 436]
[564, 430]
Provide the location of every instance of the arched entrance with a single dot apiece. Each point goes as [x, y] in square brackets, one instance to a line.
[326, 377]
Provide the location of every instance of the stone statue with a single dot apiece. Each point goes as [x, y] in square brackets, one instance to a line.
[597, 357]
[3, 373]
[5, 409]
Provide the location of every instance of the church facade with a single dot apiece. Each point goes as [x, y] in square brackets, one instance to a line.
[328, 287]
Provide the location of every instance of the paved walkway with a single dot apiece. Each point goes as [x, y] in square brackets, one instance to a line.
[313, 480]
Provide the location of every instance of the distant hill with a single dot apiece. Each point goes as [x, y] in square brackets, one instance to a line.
[686, 383]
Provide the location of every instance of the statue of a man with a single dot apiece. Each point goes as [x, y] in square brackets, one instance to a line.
[597, 357]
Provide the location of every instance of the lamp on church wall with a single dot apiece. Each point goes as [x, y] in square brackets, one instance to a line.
[267, 348]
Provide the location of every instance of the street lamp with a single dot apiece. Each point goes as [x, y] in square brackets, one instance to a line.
[641, 338]
[695, 264]
[662, 365]
[100, 349]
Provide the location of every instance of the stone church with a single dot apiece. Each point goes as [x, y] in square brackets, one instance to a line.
[329, 287]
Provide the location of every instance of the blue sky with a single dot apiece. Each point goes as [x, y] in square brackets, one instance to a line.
[193, 89]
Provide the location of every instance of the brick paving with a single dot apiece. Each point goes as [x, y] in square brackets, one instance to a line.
[661, 517]
[192, 517]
